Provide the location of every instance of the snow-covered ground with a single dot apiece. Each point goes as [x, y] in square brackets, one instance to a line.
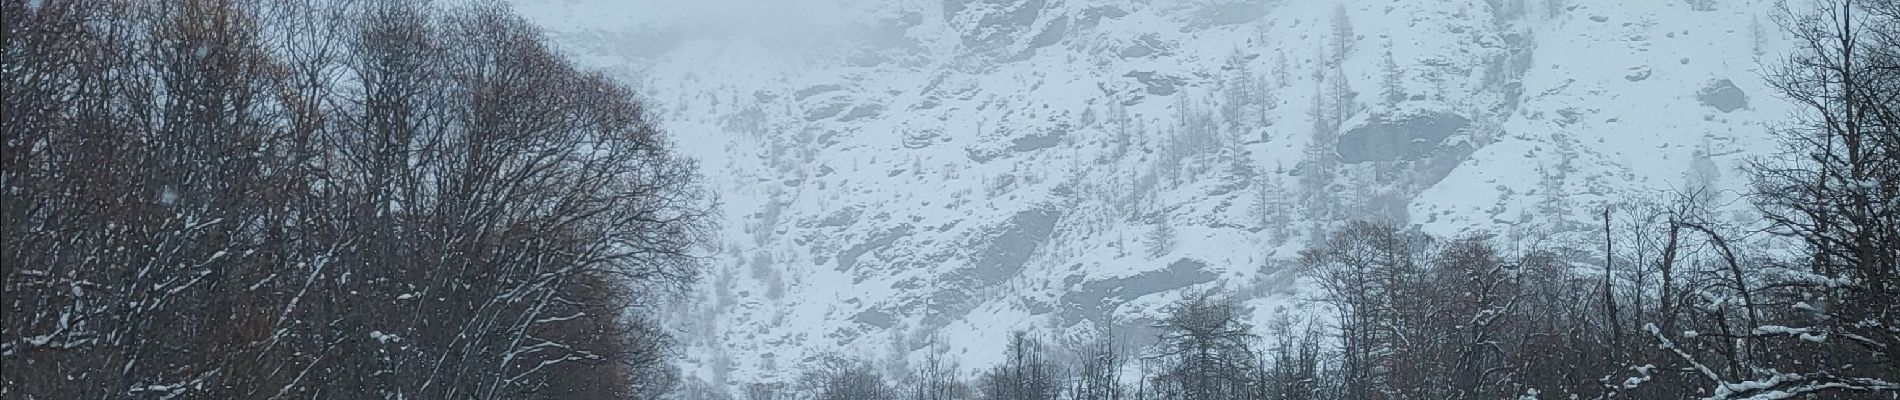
[901, 174]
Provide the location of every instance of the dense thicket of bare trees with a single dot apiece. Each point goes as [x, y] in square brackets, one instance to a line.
[284, 199]
[1027, 372]
[845, 379]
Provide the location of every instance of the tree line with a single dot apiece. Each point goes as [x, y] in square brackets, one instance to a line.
[1418, 317]
[262, 199]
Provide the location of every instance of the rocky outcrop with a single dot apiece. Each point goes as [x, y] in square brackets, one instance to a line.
[1399, 138]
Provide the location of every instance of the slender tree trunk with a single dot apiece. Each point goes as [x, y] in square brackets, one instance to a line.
[1609, 291]
[1667, 312]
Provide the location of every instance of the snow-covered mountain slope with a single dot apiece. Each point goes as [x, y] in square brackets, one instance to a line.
[897, 175]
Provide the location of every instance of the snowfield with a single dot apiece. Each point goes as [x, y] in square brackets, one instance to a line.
[902, 175]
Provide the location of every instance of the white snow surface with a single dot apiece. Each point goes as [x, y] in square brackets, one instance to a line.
[901, 175]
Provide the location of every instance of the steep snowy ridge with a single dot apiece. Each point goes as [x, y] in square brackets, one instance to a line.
[904, 174]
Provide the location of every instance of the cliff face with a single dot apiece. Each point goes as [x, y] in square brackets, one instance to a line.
[904, 174]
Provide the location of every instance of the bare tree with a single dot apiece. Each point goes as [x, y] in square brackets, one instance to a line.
[1206, 346]
[1098, 366]
[1028, 372]
[277, 199]
[1366, 270]
[1816, 325]
[937, 378]
[837, 378]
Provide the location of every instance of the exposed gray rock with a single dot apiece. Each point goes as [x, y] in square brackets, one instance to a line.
[1094, 15]
[801, 94]
[1145, 46]
[1006, 253]
[1002, 23]
[1051, 33]
[998, 258]
[843, 217]
[1157, 84]
[849, 258]
[874, 317]
[1097, 300]
[862, 111]
[1137, 50]
[1567, 116]
[1007, 140]
[923, 137]
[1039, 141]
[981, 154]
[827, 109]
[1723, 95]
[1407, 137]
[1637, 74]
[1229, 14]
